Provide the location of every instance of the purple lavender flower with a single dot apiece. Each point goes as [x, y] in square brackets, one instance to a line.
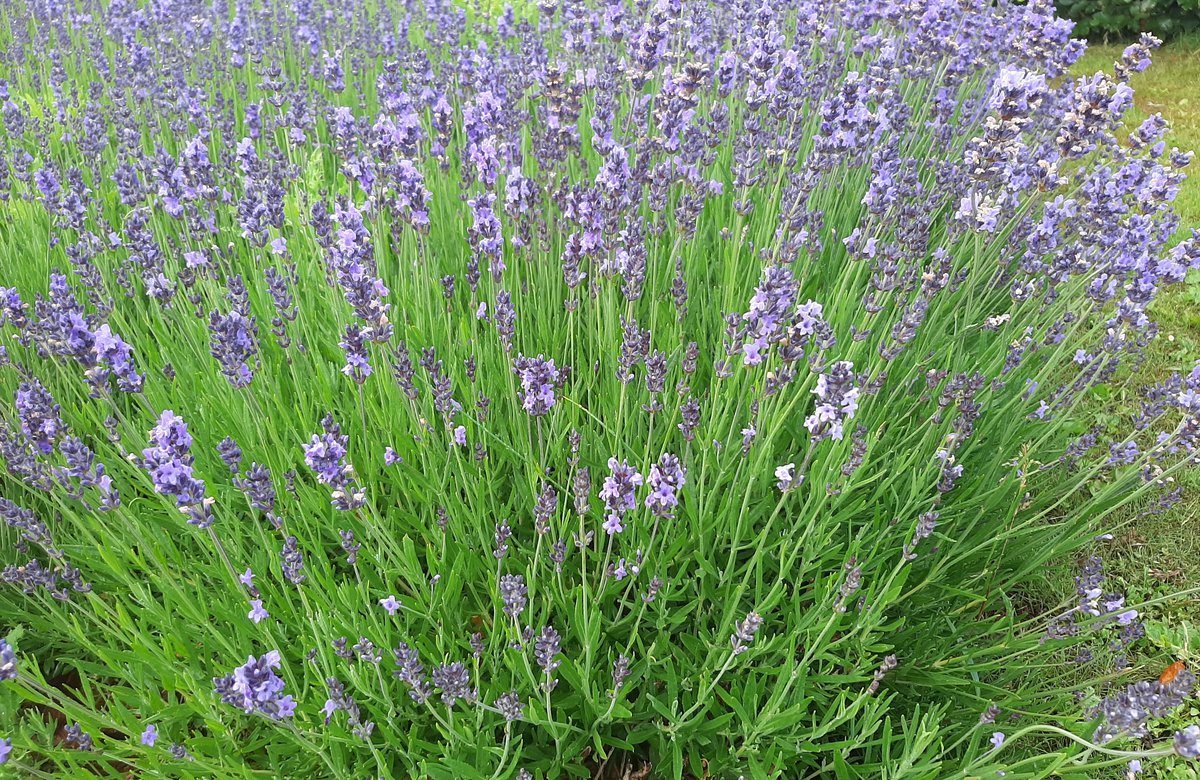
[38, 413]
[410, 671]
[539, 379]
[8, 661]
[510, 706]
[234, 344]
[770, 311]
[1128, 711]
[325, 454]
[837, 401]
[391, 604]
[546, 649]
[544, 509]
[455, 683]
[357, 365]
[231, 454]
[292, 561]
[619, 494]
[1187, 743]
[667, 478]
[502, 535]
[513, 593]
[75, 737]
[255, 688]
[150, 735]
[257, 613]
[350, 546]
[169, 461]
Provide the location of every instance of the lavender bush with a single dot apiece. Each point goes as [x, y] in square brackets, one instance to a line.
[601, 388]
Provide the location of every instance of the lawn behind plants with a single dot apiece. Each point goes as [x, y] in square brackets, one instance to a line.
[656, 389]
[1159, 554]
[1162, 552]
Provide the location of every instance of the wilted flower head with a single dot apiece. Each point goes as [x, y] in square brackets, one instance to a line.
[745, 632]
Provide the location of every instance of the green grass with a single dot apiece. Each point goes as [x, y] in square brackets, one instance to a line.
[1157, 555]
[1171, 87]
[1160, 554]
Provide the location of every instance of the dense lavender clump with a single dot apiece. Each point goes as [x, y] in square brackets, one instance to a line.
[701, 388]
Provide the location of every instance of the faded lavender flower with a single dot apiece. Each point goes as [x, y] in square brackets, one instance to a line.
[889, 663]
[620, 673]
[744, 633]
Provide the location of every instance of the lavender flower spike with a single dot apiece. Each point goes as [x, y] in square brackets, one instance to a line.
[619, 493]
[539, 380]
[255, 688]
[169, 461]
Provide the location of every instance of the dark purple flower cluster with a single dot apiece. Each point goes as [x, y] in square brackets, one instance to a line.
[60, 326]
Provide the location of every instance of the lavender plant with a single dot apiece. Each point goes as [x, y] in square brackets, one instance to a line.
[794, 306]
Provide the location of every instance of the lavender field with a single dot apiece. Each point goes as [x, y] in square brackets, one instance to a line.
[614, 389]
